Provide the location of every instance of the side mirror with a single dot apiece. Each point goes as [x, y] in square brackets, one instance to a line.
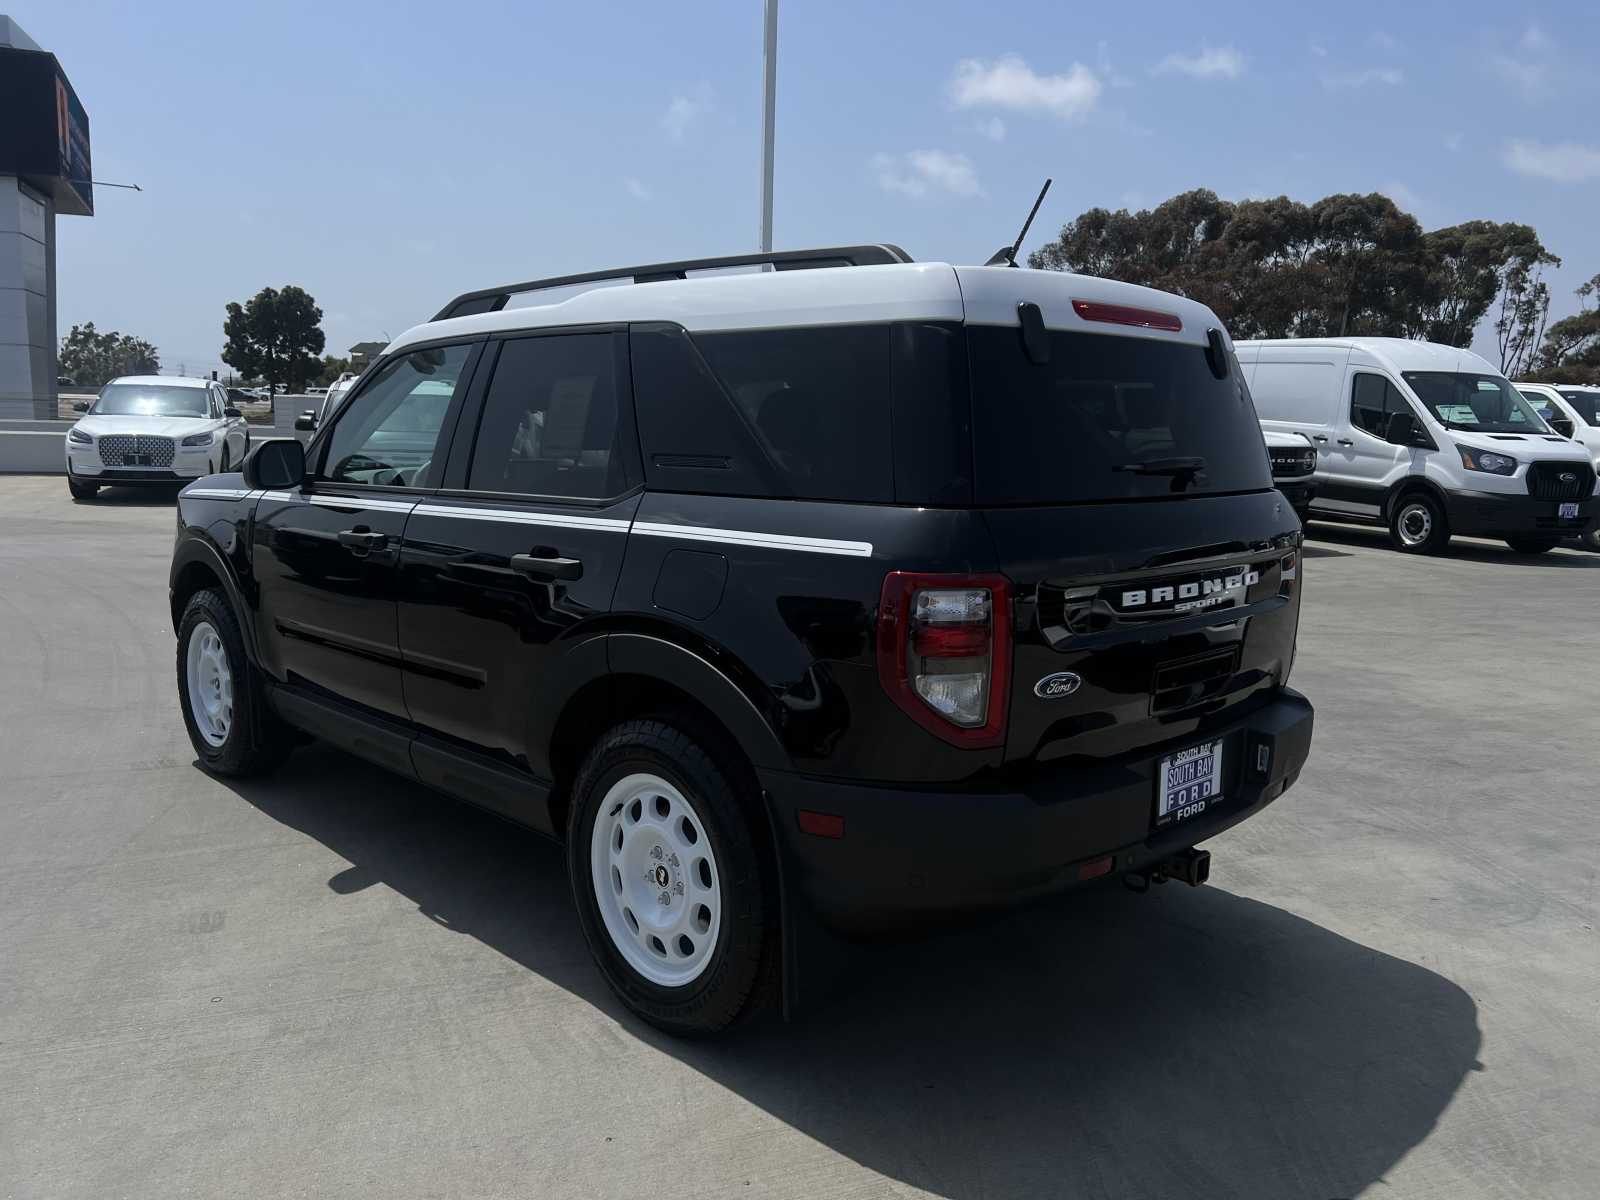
[1562, 426]
[306, 422]
[276, 463]
[1401, 429]
[80, 406]
[230, 412]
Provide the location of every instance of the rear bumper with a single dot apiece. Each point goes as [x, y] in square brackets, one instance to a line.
[909, 855]
[1492, 514]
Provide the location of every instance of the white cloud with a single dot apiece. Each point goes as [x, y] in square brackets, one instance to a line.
[685, 110]
[1319, 50]
[1453, 141]
[1536, 41]
[635, 189]
[1010, 83]
[1212, 62]
[1388, 76]
[1384, 40]
[994, 129]
[1560, 162]
[1403, 196]
[924, 171]
[1108, 72]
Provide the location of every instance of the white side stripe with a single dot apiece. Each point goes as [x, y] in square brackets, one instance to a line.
[556, 520]
[764, 541]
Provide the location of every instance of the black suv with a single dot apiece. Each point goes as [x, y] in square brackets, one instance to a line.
[797, 602]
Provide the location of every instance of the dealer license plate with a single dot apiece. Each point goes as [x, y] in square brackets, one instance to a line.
[1189, 782]
[1567, 512]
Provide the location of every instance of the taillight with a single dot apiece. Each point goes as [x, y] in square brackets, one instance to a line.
[944, 652]
[1123, 314]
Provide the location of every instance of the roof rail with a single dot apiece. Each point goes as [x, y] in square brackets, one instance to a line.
[494, 299]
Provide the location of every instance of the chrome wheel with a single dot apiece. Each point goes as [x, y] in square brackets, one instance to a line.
[1415, 523]
[655, 880]
[210, 683]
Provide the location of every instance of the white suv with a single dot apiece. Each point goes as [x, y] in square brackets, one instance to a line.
[153, 429]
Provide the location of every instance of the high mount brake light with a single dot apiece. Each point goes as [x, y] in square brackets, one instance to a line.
[1122, 314]
[944, 653]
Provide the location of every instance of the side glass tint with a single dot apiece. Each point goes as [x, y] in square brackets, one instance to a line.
[550, 422]
[389, 435]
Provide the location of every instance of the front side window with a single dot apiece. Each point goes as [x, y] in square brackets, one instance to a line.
[389, 434]
[550, 422]
[1477, 403]
[150, 400]
[1373, 400]
[1585, 404]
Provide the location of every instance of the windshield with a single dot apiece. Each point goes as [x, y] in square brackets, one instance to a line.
[150, 400]
[1479, 403]
[1108, 417]
[1586, 404]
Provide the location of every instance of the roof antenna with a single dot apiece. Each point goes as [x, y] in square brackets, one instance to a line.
[1007, 255]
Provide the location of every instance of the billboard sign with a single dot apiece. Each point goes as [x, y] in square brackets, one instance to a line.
[44, 130]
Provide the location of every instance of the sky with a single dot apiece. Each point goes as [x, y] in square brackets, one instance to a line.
[387, 156]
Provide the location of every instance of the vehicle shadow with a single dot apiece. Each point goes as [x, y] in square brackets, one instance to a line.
[1188, 1042]
[143, 496]
[1311, 551]
[1568, 556]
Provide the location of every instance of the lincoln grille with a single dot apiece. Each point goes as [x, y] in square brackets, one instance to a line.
[135, 450]
[1560, 480]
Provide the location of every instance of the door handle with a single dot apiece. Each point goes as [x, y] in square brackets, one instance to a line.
[1346, 442]
[550, 566]
[1321, 437]
[361, 542]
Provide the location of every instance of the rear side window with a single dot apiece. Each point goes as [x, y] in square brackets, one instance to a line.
[550, 422]
[1107, 418]
[799, 413]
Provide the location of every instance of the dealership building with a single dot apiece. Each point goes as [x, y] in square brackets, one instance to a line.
[44, 172]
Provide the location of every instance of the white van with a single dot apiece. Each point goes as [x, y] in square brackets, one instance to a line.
[1428, 440]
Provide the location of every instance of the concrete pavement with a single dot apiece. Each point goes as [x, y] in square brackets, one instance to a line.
[334, 983]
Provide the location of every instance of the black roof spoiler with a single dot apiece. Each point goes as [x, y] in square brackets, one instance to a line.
[494, 299]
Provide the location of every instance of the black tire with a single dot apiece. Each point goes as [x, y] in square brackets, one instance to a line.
[1590, 539]
[82, 491]
[1532, 545]
[1417, 524]
[256, 740]
[738, 979]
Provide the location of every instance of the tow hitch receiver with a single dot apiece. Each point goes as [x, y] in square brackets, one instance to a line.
[1191, 866]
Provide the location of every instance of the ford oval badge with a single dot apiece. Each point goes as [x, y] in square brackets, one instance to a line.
[1054, 687]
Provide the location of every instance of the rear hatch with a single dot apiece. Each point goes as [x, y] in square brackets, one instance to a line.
[1122, 474]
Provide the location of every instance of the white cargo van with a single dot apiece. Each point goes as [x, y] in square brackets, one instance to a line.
[1428, 440]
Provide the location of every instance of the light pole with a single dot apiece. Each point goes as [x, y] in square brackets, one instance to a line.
[769, 64]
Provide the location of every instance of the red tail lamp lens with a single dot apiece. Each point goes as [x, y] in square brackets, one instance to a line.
[1122, 314]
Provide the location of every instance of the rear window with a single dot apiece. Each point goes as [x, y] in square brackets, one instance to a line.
[1107, 418]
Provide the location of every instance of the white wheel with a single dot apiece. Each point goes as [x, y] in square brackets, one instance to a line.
[210, 684]
[655, 879]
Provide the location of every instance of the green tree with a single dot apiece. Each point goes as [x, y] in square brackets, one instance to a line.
[1347, 264]
[1524, 307]
[332, 367]
[1571, 349]
[90, 358]
[276, 335]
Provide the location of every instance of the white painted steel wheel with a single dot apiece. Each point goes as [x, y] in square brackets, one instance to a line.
[655, 878]
[210, 682]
